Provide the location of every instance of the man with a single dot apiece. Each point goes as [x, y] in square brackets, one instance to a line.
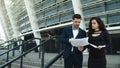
[73, 55]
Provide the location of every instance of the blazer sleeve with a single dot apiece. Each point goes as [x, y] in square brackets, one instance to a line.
[63, 36]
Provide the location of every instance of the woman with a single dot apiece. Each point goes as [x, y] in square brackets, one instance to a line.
[99, 40]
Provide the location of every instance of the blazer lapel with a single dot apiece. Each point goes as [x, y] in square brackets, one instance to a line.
[79, 34]
[71, 32]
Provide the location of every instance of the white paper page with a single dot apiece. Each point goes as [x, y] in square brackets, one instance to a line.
[98, 46]
[79, 42]
[93, 46]
[102, 46]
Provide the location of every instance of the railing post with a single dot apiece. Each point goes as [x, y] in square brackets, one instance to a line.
[39, 48]
[42, 59]
[8, 47]
[21, 62]
[13, 52]
[7, 54]
[7, 57]
[60, 49]
[9, 66]
[21, 59]
[39, 52]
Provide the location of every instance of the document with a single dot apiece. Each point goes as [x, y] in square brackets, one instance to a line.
[101, 46]
[79, 42]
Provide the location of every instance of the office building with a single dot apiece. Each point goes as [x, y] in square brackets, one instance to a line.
[38, 18]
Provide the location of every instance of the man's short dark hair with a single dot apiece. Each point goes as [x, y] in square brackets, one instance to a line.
[78, 16]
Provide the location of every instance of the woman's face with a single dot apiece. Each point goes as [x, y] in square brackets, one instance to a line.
[94, 24]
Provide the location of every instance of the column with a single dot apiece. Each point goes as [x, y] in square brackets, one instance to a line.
[5, 29]
[33, 19]
[12, 19]
[77, 7]
[4, 20]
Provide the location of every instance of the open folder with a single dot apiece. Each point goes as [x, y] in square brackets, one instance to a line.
[84, 42]
[79, 42]
[101, 46]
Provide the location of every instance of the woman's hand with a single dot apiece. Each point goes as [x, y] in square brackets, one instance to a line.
[80, 48]
[99, 48]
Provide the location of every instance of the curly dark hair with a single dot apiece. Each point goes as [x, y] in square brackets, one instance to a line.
[100, 23]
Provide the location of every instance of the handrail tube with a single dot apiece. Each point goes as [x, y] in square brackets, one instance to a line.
[18, 46]
[10, 43]
[10, 50]
[53, 60]
[9, 62]
[15, 48]
[6, 46]
[6, 42]
[11, 40]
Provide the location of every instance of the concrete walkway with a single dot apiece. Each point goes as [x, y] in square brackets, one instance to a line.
[32, 60]
[113, 61]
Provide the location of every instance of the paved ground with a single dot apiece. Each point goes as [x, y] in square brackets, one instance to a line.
[3, 57]
[113, 61]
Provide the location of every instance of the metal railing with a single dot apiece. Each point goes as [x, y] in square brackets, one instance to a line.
[8, 50]
[22, 54]
[7, 45]
[53, 60]
[11, 40]
[41, 53]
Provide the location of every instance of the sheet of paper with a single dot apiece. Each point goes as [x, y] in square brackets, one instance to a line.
[102, 46]
[98, 46]
[93, 46]
[80, 42]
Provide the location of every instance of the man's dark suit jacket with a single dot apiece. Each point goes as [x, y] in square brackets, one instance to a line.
[65, 36]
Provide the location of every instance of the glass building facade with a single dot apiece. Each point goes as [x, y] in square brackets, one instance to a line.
[50, 12]
[107, 10]
[56, 14]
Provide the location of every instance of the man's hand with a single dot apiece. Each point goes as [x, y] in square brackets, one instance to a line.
[80, 48]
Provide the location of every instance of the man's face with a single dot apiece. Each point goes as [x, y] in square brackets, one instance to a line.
[76, 23]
